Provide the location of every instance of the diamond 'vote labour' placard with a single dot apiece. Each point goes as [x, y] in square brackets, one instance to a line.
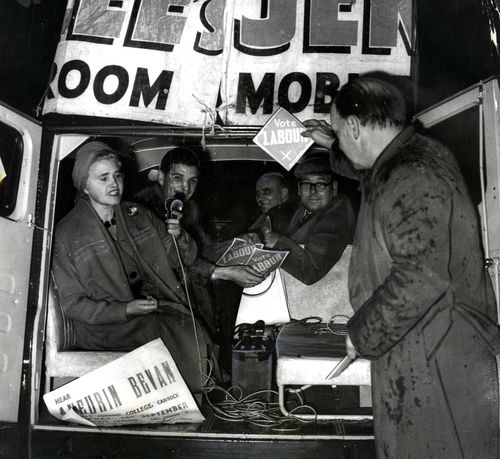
[280, 138]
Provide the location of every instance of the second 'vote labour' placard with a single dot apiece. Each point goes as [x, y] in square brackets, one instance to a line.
[280, 138]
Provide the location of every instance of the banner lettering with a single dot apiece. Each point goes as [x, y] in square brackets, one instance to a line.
[170, 61]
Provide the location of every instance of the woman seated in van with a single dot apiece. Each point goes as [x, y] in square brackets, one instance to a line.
[117, 269]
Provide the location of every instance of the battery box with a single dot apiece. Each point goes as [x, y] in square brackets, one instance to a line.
[253, 359]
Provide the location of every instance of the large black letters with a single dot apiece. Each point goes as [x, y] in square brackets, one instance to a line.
[160, 87]
[305, 92]
[264, 93]
[79, 89]
[122, 76]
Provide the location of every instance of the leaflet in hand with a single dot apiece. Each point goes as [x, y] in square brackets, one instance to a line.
[241, 252]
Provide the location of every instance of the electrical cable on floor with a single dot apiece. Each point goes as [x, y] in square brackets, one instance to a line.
[239, 408]
[251, 409]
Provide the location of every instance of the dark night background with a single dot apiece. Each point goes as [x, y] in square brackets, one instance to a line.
[454, 48]
[29, 33]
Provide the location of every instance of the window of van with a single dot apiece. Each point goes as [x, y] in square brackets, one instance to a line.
[11, 158]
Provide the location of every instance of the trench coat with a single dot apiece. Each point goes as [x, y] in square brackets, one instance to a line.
[416, 281]
[94, 288]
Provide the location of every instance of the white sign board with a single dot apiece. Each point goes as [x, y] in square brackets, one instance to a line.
[296, 54]
[169, 61]
[146, 60]
[281, 138]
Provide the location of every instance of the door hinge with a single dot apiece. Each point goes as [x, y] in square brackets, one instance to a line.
[31, 223]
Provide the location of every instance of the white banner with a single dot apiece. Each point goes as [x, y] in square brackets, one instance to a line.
[142, 387]
[146, 60]
[167, 60]
[297, 53]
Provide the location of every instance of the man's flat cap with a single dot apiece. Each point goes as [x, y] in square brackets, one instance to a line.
[316, 163]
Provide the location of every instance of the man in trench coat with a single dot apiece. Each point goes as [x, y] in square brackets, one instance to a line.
[422, 298]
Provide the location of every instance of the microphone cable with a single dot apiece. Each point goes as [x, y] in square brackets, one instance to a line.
[193, 320]
[178, 203]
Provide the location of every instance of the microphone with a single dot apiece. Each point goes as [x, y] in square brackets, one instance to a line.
[177, 205]
[174, 204]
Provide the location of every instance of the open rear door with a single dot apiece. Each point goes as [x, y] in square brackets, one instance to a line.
[469, 123]
[19, 160]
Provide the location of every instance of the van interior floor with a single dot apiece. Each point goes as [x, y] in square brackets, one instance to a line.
[260, 420]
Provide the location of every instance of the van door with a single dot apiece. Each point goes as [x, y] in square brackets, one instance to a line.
[19, 160]
[469, 123]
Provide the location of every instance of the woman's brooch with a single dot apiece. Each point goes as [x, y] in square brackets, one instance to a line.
[133, 210]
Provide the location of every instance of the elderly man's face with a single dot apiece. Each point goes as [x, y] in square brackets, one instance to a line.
[180, 179]
[346, 138]
[316, 191]
[269, 193]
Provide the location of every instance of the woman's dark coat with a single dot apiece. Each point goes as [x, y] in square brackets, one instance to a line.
[94, 287]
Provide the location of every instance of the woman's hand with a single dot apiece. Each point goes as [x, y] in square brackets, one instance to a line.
[320, 131]
[141, 307]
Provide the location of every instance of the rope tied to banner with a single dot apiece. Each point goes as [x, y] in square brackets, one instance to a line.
[211, 113]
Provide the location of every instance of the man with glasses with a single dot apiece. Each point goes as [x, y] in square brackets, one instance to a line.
[322, 226]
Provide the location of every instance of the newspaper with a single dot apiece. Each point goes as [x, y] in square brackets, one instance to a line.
[142, 387]
[241, 252]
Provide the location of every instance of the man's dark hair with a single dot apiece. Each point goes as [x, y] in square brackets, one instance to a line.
[373, 101]
[179, 155]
